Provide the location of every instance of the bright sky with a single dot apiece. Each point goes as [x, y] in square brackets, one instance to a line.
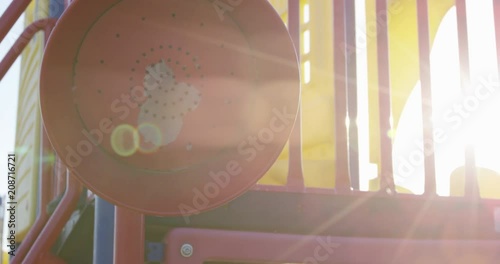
[8, 98]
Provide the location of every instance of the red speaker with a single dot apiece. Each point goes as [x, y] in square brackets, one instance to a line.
[169, 107]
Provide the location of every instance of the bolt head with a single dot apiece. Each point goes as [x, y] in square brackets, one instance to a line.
[186, 250]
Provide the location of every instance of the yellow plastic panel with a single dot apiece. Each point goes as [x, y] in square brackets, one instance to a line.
[403, 52]
[28, 127]
[281, 7]
[317, 78]
[278, 172]
[317, 96]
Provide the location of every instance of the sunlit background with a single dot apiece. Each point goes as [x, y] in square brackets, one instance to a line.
[446, 94]
[457, 120]
[9, 87]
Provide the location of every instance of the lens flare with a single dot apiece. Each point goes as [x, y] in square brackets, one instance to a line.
[125, 140]
[150, 137]
[22, 150]
[48, 158]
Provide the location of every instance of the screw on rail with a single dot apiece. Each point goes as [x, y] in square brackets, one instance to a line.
[186, 250]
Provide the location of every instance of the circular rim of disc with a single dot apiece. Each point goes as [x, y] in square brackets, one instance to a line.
[170, 194]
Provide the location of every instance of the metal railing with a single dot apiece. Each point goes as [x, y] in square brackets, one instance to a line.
[46, 230]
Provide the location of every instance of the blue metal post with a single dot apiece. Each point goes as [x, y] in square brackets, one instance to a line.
[104, 226]
[56, 8]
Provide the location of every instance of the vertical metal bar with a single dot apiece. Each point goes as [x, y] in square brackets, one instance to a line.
[11, 15]
[45, 185]
[57, 8]
[129, 236]
[60, 175]
[425, 79]
[295, 179]
[56, 222]
[104, 227]
[387, 180]
[342, 183]
[496, 13]
[471, 184]
[352, 91]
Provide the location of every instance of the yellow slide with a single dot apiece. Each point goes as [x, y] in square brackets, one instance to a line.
[317, 80]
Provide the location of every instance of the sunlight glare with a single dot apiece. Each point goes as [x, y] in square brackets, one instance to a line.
[457, 119]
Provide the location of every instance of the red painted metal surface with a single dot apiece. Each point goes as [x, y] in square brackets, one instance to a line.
[60, 176]
[421, 213]
[129, 236]
[10, 16]
[287, 188]
[351, 78]
[496, 13]
[56, 222]
[366, 214]
[295, 179]
[342, 182]
[21, 43]
[239, 120]
[425, 79]
[233, 246]
[384, 86]
[50, 259]
[471, 182]
[46, 167]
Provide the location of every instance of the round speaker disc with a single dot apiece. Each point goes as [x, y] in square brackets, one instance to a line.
[169, 107]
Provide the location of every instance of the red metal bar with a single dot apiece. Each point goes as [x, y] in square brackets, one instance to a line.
[471, 184]
[352, 91]
[387, 180]
[425, 79]
[47, 170]
[366, 214]
[129, 236]
[295, 179]
[496, 13]
[56, 222]
[11, 15]
[342, 183]
[60, 178]
[43, 24]
[198, 246]
[282, 189]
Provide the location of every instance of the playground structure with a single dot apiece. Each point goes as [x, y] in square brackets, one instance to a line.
[318, 203]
